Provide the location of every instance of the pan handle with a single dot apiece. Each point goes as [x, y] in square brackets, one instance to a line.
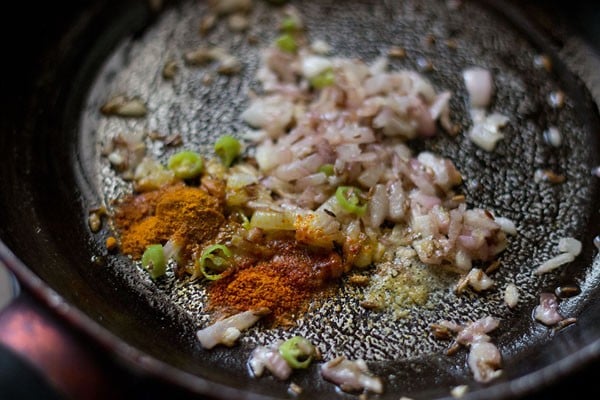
[38, 352]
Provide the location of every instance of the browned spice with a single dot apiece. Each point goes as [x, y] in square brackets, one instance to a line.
[111, 243]
[187, 215]
[284, 281]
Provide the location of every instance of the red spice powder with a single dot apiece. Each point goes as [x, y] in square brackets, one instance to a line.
[284, 282]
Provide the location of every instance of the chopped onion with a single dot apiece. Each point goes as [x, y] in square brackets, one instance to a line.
[485, 131]
[511, 295]
[478, 280]
[479, 86]
[378, 206]
[351, 375]
[238, 180]
[314, 65]
[484, 360]
[547, 311]
[570, 245]
[554, 262]
[320, 47]
[228, 330]
[269, 357]
[317, 228]
[271, 113]
[396, 201]
[272, 220]
[570, 248]
[477, 331]
[507, 225]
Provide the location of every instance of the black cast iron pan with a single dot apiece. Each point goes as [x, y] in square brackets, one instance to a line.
[52, 175]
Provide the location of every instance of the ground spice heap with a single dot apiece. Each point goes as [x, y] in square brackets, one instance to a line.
[283, 279]
[187, 215]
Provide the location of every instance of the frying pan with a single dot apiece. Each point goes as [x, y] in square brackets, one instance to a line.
[52, 174]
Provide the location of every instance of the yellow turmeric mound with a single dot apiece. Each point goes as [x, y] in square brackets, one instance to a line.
[186, 215]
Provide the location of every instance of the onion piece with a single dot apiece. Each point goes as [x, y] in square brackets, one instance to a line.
[378, 206]
[351, 375]
[511, 295]
[484, 358]
[480, 86]
[478, 280]
[485, 361]
[485, 131]
[270, 358]
[397, 201]
[570, 248]
[547, 311]
[314, 65]
[320, 46]
[570, 245]
[554, 262]
[228, 330]
[477, 331]
[273, 220]
[507, 225]
[271, 113]
[317, 228]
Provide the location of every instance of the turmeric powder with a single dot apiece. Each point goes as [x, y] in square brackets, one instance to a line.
[187, 215]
